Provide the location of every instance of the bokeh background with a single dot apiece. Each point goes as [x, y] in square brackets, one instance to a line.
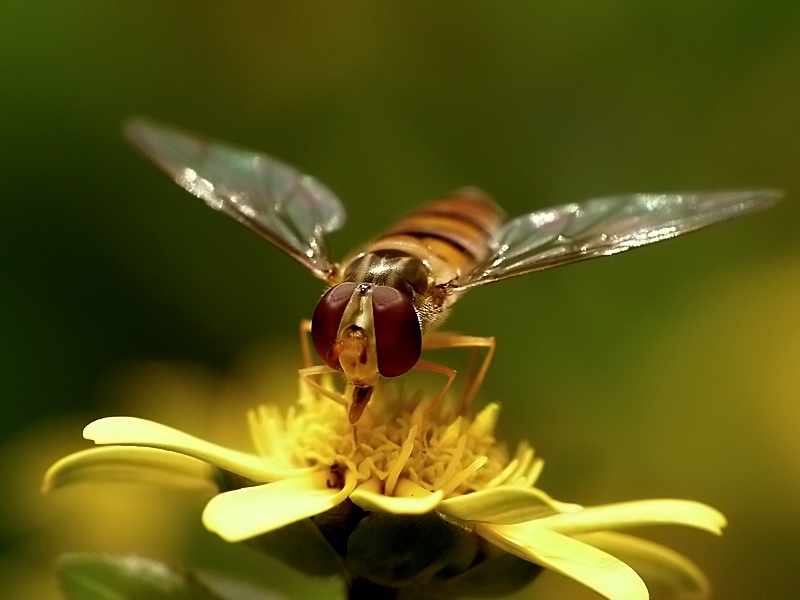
[672, 371]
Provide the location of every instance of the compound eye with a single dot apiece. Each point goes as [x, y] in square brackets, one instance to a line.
[398, 337]
[326, 319]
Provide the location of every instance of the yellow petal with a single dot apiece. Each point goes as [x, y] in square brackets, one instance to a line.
[251, 511]
[595, 569]
[411, 499]
[140, 432]
[636, 514]
[663, 569]
[504, 505]
[121, 463]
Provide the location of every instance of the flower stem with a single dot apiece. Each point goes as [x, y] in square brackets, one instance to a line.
[364, 589]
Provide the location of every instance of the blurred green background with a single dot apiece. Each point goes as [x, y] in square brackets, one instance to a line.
[672, 371]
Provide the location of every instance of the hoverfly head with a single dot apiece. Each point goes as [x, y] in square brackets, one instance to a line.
[368, 331]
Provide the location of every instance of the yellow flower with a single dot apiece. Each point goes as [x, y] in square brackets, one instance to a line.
[309, 461]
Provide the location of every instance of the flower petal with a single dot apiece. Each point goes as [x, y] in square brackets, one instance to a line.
[130, 463]
[140, 432]
[504, 505]
[485, 421]
[636, 514]
[251, 511]
[411, 499]
[663, 569]
[593, 568]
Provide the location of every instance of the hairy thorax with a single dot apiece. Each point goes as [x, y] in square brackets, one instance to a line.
[406, 273]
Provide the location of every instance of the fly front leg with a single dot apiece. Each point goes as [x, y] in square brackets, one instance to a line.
[308, 375]
[361, 394]
[305, 347]
[472, 380]
[309, 369]
[436, 368]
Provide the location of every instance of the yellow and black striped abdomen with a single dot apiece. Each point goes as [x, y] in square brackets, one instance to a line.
[451, 233]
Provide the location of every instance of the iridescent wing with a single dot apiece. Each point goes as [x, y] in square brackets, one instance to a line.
[292, 210]
[603, 226]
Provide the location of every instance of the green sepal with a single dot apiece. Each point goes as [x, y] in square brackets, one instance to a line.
[494, 573]
[302, 546]
[409, 550]
[227, 481]
[109, 577]
[338, 523]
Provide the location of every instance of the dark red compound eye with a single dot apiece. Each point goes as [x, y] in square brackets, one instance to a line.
[326, 319]
[398, 337]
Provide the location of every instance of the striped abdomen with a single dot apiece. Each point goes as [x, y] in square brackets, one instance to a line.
[451, 234]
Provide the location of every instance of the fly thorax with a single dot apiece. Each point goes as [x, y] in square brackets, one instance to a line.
[391, 268]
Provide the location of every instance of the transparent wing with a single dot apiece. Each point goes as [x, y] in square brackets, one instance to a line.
[292, 210]
[603, 226]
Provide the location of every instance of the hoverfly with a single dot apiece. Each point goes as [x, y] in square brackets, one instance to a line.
[386, 300]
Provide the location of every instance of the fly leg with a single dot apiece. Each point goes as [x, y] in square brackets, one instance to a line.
[354, 408]
[311, 370]
[309, 374]
[473, 380]
[450, 373]
[305, 347]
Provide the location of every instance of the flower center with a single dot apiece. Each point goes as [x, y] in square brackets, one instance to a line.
[445, 451]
